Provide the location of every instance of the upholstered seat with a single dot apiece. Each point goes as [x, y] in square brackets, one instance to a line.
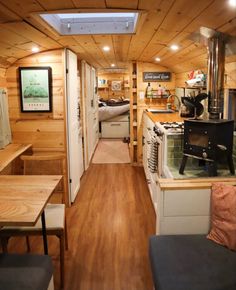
[191, 262]
[21, 272]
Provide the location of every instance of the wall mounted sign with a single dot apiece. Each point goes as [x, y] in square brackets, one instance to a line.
[36, 89]
[116, 85]
[157, 76]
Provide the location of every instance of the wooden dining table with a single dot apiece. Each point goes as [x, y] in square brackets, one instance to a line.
[12, 152]
[23, 199]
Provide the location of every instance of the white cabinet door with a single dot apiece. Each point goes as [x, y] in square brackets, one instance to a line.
[75, 160]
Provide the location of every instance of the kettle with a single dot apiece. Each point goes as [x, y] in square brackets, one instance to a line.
[186, 110]
[192, 106]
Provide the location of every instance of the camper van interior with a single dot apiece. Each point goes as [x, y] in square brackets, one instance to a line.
[117, 144]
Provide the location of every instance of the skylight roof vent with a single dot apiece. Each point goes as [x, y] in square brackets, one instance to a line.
[92, 23]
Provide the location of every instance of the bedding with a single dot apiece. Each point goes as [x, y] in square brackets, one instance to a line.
[107, 112]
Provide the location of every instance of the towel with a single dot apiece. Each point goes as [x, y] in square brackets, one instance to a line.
[153, 157]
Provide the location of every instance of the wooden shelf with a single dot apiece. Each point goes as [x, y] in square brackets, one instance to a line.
[133, 113]
[103, 87]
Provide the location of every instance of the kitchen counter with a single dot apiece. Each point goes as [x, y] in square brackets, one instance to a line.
[165, 117]
[181, 202]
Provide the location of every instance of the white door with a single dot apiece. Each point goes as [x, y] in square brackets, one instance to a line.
[75, 160]
[89, 110]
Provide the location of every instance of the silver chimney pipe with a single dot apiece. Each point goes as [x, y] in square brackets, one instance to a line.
[219, 45]
[215, 76]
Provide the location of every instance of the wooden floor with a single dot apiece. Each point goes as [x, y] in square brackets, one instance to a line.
[109, 225]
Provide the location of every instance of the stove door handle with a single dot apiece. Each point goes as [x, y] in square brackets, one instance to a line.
[222, 147]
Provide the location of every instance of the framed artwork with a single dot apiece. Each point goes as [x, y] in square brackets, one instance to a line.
[36, 89]
[116, 85]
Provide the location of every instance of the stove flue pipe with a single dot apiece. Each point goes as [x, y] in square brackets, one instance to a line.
[215, 77]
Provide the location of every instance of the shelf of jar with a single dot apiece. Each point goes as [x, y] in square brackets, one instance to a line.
[157, 97]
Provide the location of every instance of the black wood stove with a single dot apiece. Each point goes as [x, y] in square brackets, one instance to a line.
[209, 140]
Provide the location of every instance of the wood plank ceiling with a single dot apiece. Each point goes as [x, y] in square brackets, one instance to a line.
[162, 23]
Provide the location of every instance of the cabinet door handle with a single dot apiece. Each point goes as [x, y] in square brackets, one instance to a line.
[115, 124]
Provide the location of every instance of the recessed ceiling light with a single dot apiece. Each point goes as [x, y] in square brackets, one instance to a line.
[157, 59]
[174, 47]
[112, 65]
[106, 48]
[232, 3]
[35, 49]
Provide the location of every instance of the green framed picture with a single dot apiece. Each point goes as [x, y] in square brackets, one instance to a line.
[36, 89]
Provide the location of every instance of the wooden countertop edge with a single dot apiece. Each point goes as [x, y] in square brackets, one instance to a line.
[165, 117]
[200, 183]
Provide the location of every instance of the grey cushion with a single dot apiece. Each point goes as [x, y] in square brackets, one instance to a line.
[191, 262]
[25, 272]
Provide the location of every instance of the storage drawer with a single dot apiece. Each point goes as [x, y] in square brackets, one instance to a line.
[120, 118]
[115, 129]
[186, 202]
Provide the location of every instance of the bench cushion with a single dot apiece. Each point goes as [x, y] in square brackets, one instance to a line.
[193, 262]
[25, 272]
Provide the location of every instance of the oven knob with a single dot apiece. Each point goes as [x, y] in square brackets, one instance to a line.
[204, 155]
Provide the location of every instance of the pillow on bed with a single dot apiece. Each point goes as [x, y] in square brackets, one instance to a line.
[223, 215]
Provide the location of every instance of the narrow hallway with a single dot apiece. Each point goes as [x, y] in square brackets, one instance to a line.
[109, 225]
[108, 229]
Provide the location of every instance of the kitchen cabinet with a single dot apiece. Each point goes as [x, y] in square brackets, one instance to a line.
[183, 206]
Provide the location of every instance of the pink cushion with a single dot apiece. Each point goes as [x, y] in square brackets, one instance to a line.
[223, 215]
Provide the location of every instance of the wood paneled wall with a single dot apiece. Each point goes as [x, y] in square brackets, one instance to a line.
[230, 79]
[151, 67]
[44, 130]
[230, 76]
[107, 93]
[149, 103]
[3, 82]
